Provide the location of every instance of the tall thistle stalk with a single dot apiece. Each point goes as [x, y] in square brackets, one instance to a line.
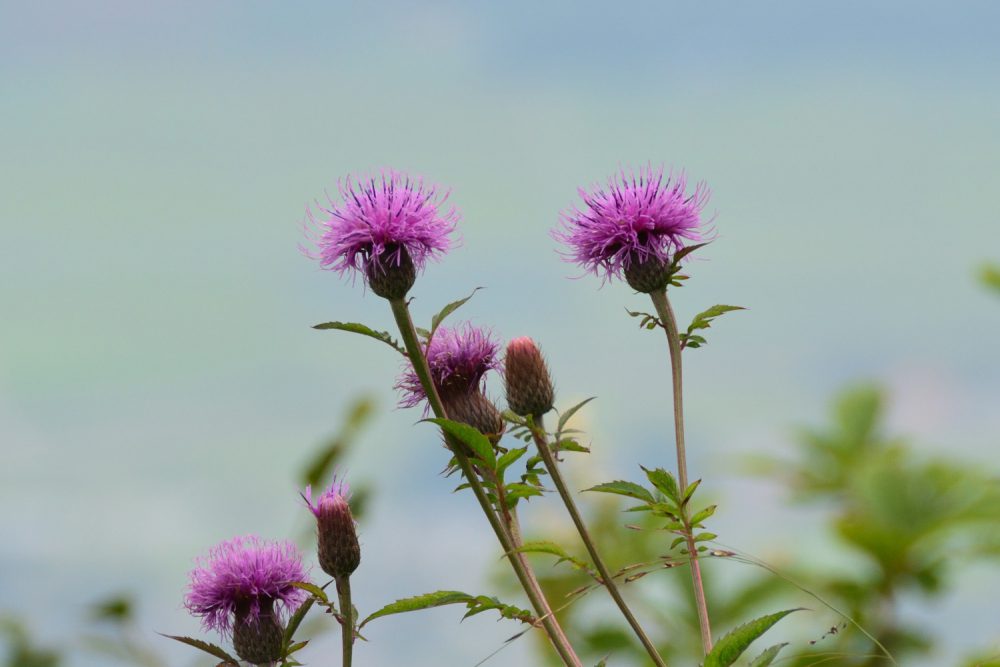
[504, 533]
[530, 394]
[666, 314]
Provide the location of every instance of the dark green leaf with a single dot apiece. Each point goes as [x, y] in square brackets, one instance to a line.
[768, 656]
[692, 487]
[565, 416]
[510, 457]
[732, 646]
[703, 320]
[623, 488]
[665, 482]
[475, 440]
[569, 445]
[685, 251]
[448, 310]
[416, 603]
[517, 490]
[211, 649]
[702, 515]
[355, 327]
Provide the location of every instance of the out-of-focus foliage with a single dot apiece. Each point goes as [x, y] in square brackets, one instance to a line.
[21, 651]
[989, 275]
[908, 519]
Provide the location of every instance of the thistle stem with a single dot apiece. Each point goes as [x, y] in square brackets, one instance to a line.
[552, 465]
[518, 562]
[347, 613]
[666, 314]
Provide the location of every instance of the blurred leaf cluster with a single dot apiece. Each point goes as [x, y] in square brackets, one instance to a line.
[906, 520]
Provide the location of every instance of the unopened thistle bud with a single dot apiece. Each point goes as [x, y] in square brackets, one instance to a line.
[474, 409]
[339, 551]
[257, 638]
[529, 385]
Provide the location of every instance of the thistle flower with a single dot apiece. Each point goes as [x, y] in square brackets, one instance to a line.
[244, 588]
[337, 537]
[526, 376]
[385, 227]
[632, 228]
[458, 358]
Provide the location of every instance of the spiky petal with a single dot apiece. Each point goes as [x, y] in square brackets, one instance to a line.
[389, 222]
[458, 358]
[247, 580]
[639, 217]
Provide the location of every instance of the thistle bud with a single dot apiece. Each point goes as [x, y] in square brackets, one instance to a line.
[392, 273]
[337, 538]
[529, 386]
[257, 637]
[474, 409]
[646, 274]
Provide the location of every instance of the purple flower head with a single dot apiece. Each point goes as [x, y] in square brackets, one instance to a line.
[380, 217]
[335, 495]
[243, 580]
[637, 217]
[459, 359]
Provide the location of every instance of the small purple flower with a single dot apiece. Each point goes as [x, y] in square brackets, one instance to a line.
[459, 359]
[383, 221]
[638, 217]
[336, 494]
[243, 580]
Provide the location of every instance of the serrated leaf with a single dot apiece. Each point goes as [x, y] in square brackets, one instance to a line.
[565, 416]
[517, 490]
[703, 320]
[293, 624]
[448, 310]
[211, 649]
[476, 604]
[486, 603]
[665, 482]
[732, 646]
[768, 656]
[623, 488]
[475, 440]
[355, 327]
[569, 445]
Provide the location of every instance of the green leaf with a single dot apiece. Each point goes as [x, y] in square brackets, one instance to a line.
[316, 591]
[768, 656]
[565, 416]
[355, 327]
[692, 487]
[665, 482]
[211, 649]
[732, 646]
[553, 549]
[623, 488]
[475, 603]
[510, 457]
[448, 310]
[293, 625]
[475, 440]
[569, 445]
[516, 490]
[685, 251]
[702, 515]
[703, 320]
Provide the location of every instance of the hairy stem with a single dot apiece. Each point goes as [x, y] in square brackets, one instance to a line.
[666, 315]
[347, 612]
[517, 560]
[552, 465]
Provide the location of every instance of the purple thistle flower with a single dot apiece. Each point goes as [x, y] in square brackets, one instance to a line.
[638, 217]
[379, 221]
[458, 358]
[244, 580]
[335, 494]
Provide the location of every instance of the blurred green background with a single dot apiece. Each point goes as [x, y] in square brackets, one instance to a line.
[161, 388]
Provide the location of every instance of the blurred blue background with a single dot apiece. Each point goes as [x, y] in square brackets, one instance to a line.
[161, 388]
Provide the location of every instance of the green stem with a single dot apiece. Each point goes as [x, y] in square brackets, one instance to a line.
[552, 465]
[517, 559]
[347, 612]
[666, 315]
